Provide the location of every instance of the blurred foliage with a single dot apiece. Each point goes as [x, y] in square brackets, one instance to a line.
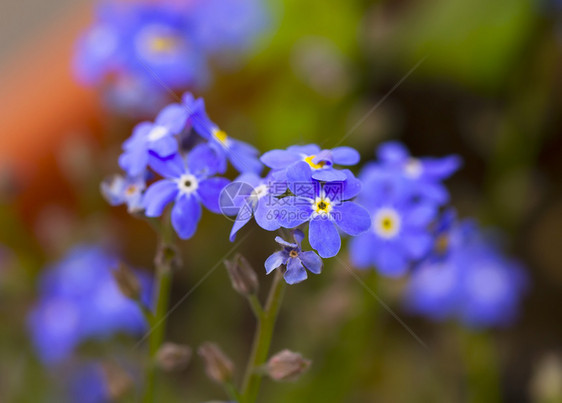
[487, 88]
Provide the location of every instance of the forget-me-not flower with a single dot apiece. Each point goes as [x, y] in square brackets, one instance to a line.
[319, 163]
[295, 260]
[327, 207]
[241, 155]
[399, 234]
[80, 300]
[188, 183]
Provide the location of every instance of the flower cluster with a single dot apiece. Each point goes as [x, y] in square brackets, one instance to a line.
[80, 300]
[140, 48]
[303, 186]
[187, 175]
[403, 196]
[468, 278]
[188, 150]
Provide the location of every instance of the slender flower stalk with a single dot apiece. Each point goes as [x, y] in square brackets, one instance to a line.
[262, 339]
[163, 261]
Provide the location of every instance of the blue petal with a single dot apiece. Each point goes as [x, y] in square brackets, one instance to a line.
[309, 149]
[279, 159]
[186, 214]
[328, 175]
[295, 272]
[243, 217]
[351, 218]
[299, 172]
[421, 215]
[348, 189]
[173, 117]
[323, 237]
[441, 168]
[361, 250]
[345, 156]
[203, 160]
[140, 132]
[244, 157]
[393, 152]
[311, 261]
[294, 212]
[171, 167]
[417, 245]
[157, 196]
[274, 261]
[209, 191]
[164, 147]
[267, 213]
[299, 236]
[390, 260]
[134, 160]
[281, 241]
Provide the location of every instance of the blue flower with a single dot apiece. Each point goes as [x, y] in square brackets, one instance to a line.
[158, 138]
[79, 300]
[474, 283]
[294, 259]
[119, 190]
[251, 196]
[242, 156]
[228, 25]
[147, 40]
[319, 163]
[399, 235]
[326, 206]
[187, 183]
[424, 175]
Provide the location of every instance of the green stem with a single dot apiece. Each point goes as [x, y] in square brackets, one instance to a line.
[262, 339]
[232, 392]
[161, 297]
[481, 366]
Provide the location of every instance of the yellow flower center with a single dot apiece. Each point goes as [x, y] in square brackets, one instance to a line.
[131, 190]
[386, 223]
[161, 44]
[322, 206]
[313, 165]
[293, 253]
[220, 136]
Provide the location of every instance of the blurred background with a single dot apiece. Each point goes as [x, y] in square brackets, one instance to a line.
[469, 77]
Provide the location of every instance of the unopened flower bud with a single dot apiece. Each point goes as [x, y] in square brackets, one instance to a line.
[287, 366]
[119, 382]
[217, 365]
[173, 357]
[127, 281]
[243, 277]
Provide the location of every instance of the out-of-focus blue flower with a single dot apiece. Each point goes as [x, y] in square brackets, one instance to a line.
[424, 176]
[474, 283]
[399, 235]
[242, 156]
[187, 183]
[295, 260]
[79, 300]
[158, 138]
[119, 190]
[252, 196]
[140, 38]
[319, 163]
[326, 206]
[228, 26]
